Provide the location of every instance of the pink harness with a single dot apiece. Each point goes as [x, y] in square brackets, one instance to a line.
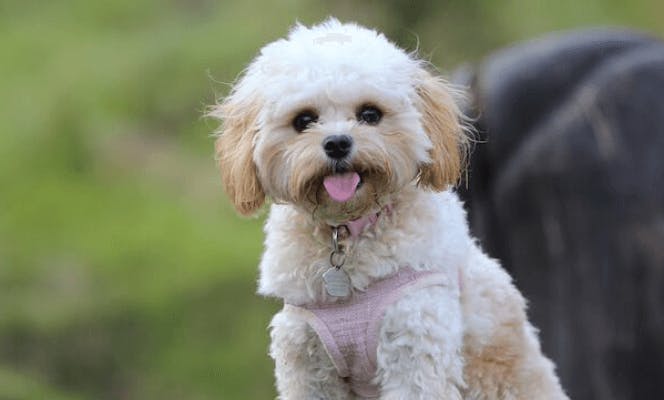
[349, 330]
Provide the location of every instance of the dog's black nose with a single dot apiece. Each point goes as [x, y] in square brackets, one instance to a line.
[337, 146]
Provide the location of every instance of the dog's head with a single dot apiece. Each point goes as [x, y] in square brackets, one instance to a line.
[335, 120]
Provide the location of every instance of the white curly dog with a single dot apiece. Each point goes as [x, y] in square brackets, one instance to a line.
[386, 295]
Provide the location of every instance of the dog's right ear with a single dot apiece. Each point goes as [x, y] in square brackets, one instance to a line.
[234, 150]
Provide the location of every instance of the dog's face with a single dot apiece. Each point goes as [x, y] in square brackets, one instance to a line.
[335, 119]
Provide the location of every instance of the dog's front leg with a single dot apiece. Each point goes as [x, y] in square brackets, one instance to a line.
[302, 367]
[419, 347]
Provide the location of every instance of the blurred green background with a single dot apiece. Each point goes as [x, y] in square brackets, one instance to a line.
[124, 273]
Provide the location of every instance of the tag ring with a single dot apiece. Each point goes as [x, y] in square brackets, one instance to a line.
[337, 256]
[337, 259]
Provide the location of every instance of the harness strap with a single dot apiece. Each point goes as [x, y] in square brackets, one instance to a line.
[349, 330]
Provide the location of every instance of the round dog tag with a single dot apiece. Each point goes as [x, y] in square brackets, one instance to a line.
[337, 282]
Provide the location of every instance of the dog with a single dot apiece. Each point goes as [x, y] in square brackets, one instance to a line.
[358, 145]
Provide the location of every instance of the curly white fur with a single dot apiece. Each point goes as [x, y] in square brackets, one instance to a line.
[468, 342]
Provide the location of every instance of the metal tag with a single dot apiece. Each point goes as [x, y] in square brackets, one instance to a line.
[337, 282]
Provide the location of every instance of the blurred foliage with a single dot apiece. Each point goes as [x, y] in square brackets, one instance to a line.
[124, 273]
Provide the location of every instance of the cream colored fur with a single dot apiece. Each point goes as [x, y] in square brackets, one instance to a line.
[467, 341]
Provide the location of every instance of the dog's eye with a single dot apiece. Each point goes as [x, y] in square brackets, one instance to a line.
[369, 114]
[304, 119]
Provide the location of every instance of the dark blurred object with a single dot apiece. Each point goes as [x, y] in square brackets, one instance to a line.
[566, 188]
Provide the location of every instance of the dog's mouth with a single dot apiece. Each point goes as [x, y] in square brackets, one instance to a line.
[341, 187]
[349, 194]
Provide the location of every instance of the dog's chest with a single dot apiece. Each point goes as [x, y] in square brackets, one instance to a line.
[349, 330]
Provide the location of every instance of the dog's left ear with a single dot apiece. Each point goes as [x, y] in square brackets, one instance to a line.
[442, 121]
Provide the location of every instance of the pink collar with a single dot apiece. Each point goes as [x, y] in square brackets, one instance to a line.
[357, 226]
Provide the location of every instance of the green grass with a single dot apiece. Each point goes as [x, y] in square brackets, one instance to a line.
[124, 273]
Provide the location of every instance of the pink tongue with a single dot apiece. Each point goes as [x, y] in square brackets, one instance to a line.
[341, 187]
